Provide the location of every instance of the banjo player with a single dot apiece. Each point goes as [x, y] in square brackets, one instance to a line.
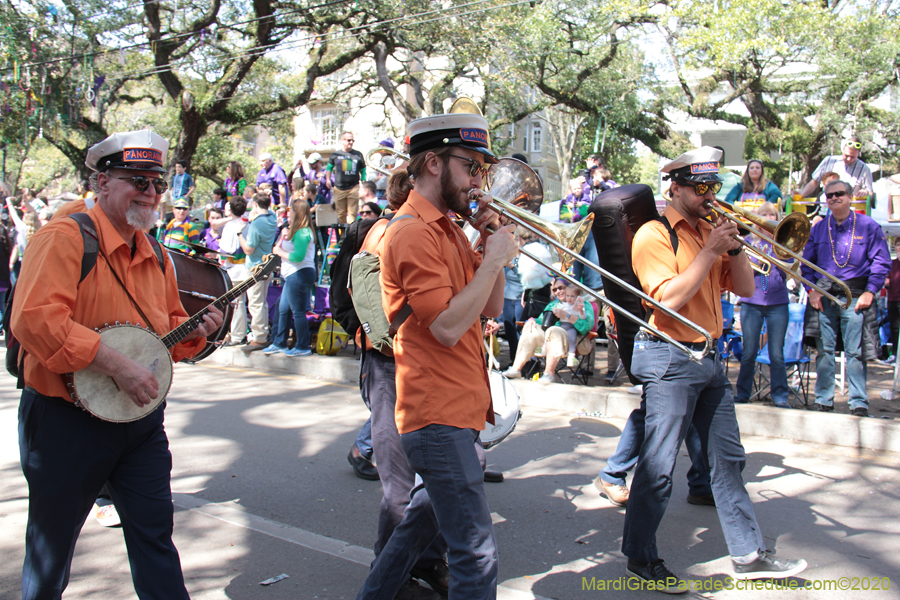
[68, 454]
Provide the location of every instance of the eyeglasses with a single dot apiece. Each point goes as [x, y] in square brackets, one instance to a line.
[351, 141]
[366, 212]
[701, 188]
[179, 208]
[857, 145]
[558, 289]
[475, 167]
[141, 183]
[837, 194]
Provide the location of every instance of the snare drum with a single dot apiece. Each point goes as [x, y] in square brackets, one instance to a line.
[200, 281]
[506, 411]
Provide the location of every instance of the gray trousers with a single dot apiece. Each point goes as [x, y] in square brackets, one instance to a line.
[377, 380]
[679, 392]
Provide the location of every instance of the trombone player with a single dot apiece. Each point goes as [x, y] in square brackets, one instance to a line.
[430, 273]
[678, 392]
[851, 247]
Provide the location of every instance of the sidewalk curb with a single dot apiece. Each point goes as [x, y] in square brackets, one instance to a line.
[879, 435]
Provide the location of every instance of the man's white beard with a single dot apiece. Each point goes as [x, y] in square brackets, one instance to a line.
[139, 218]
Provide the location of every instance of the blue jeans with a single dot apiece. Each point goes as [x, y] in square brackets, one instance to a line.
[679, 392]
[448, 498]
[833, 318]
[295, 297]
[626, 456]
[776, 318]
[588, 277]
[364, 439]
[512, 312]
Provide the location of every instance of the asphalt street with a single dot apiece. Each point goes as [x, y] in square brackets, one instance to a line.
[262, 487]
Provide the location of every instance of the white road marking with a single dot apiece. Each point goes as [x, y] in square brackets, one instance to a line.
[228, 512]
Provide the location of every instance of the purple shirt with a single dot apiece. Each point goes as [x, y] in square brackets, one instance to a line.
[274, 175]
[771, 289]
[830, 244]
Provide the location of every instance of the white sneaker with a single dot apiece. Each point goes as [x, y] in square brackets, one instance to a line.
[107, 515]
[512, 373]
[572, 361]
[550, 378]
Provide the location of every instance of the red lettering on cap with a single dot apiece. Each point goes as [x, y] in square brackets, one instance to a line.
[472, 135]
[142, 155]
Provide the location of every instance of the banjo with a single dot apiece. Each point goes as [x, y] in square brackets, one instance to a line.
[99, 395]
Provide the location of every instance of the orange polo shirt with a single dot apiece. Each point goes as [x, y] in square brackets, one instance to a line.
[425, 262]
[54, 316]
[655, 265]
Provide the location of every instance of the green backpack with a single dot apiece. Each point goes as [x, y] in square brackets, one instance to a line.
[365, 291]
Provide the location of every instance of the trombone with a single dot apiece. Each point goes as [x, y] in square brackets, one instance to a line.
[519, 182]
[788, 237]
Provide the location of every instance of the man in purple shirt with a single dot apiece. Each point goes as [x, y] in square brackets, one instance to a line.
[270, 172]
[852, 247]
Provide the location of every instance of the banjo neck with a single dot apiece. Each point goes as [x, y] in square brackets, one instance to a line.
[259, 272]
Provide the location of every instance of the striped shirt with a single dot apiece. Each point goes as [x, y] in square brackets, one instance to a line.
[857, 175]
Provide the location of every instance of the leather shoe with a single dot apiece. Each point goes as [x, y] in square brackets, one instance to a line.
[616, 494]
[411, 590]
[437, 576]
[860, 412]
[254, 346]
[362, 466]
[706, 500]
[493, 477]
[821, 407]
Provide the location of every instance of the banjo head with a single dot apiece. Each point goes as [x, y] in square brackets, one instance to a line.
[99, 395]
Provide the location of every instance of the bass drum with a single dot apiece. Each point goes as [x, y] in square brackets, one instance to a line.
[506, 411]
[200, 282]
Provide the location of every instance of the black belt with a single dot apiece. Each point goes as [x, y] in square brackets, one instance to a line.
[54, 399]
[692, 345]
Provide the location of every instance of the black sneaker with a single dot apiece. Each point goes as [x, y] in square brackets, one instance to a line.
[437, 576]
[821, 407]
[767, 566]
[657, 576]
[860, 412]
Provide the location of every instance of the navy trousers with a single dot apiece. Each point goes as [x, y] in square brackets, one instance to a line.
[67, 455]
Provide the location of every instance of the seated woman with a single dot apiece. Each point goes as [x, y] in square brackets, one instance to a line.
[553, 337]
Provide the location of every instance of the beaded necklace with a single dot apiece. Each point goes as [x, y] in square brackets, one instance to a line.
[850, 250]
[764, 277]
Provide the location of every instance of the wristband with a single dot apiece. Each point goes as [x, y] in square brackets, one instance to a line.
[736, 251]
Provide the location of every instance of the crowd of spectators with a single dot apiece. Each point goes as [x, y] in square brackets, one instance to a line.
[246, 218]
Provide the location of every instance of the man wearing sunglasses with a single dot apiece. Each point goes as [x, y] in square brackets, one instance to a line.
[852, 247]
[68, 454]
[847, 165]
[679, 392]
[430, 272]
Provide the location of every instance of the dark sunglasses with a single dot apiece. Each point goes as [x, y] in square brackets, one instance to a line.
[141, 183]
[558, 289]
[856, 145]
[366, 212]
[837, 194]
[475, 167]
[701, 188]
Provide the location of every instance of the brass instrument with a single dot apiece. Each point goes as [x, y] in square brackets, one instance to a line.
[521, 185]
[788, 237]
[568, 240]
